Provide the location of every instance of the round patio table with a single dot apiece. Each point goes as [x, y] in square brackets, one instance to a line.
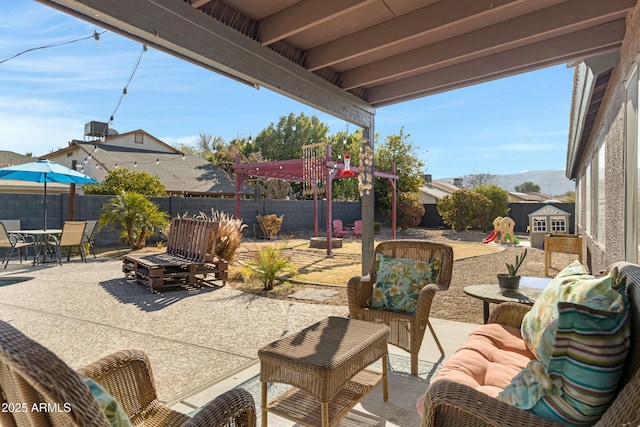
[492, 294]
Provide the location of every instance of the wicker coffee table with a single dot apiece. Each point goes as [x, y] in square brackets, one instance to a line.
[326, 365]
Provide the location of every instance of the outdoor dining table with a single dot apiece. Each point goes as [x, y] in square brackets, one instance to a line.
[40, 238]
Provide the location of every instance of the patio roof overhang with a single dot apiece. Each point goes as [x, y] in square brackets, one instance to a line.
[590, 84]
[348, 57]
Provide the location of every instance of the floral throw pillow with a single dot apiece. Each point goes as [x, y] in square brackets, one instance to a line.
[573, 284]
[399, 281]
[109, 405]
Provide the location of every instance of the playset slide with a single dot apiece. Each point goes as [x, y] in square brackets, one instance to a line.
[491, 237]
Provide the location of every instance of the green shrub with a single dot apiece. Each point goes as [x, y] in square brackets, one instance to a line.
[268, 263]
[409, 210]
[464, 209]
[377, 226]
[499, 202]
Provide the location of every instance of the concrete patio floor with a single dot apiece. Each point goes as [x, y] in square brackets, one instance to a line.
[201, 341]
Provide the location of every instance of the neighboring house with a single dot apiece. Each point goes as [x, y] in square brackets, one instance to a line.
[603, 152]
[182, 174]
[534, 197]
[433, 191]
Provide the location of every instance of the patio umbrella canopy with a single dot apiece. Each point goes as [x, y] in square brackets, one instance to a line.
[45, 171]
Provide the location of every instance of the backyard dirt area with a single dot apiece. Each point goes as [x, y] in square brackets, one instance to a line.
[475, 263]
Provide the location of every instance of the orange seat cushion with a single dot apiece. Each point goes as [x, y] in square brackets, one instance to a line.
[487, 361]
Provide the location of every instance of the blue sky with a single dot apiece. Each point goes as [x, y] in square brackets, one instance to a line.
[47, 95]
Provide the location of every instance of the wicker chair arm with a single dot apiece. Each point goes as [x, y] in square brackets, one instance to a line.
[232, 408]
[359, 290]
[425, 298]
[452, 404]
[509, 314]
[126, 375]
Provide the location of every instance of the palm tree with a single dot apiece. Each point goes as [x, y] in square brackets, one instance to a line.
[137, 215]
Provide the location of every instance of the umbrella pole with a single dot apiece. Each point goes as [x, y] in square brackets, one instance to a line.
[45, 202]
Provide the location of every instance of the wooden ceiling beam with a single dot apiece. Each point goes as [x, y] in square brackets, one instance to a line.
[400, 29]
[572, 46]
[547, 23]
[304, 15]
[198, 3]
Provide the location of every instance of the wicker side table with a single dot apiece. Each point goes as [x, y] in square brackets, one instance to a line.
[326, 365]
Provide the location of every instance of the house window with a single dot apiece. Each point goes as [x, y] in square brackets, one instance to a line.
[558, 224]
[540, 225]
[631, 164]
[139, 138]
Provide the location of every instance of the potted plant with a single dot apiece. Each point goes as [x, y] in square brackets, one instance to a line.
[511, 281]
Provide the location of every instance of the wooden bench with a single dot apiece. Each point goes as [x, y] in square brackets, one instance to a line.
[189, 258]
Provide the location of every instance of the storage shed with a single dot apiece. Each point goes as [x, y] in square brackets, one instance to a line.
[547, 219]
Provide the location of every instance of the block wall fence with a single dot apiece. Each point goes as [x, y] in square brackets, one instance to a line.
[298, 214]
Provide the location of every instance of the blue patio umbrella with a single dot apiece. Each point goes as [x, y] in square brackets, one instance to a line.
[45, 171]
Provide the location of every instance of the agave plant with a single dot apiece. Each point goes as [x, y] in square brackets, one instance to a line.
[513, 268]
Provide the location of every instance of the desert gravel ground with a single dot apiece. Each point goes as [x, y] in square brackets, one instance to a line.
[454, 304]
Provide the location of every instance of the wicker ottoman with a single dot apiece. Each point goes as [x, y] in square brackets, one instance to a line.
[326, 365]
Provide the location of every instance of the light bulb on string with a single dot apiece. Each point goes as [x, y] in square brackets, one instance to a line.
[183, 156]
[135, 164]
[157, 162]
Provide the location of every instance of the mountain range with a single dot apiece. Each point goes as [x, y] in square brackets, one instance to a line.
[551, 182]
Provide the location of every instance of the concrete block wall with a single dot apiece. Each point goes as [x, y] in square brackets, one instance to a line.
[298, 214]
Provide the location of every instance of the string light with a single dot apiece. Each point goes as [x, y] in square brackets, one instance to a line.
[124, 90]
[95, 36]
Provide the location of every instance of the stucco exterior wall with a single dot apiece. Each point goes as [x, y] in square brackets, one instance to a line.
[609, 128]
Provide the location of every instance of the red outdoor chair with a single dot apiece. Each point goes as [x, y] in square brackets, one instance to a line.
[338, 230]
[357, 228]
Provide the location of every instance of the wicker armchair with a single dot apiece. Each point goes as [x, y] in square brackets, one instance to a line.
[451, 405]
[31, 375]
[407, 330]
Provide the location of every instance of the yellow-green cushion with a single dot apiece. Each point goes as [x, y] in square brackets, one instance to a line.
[399, 281]
[109, 405]
[573, 284]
